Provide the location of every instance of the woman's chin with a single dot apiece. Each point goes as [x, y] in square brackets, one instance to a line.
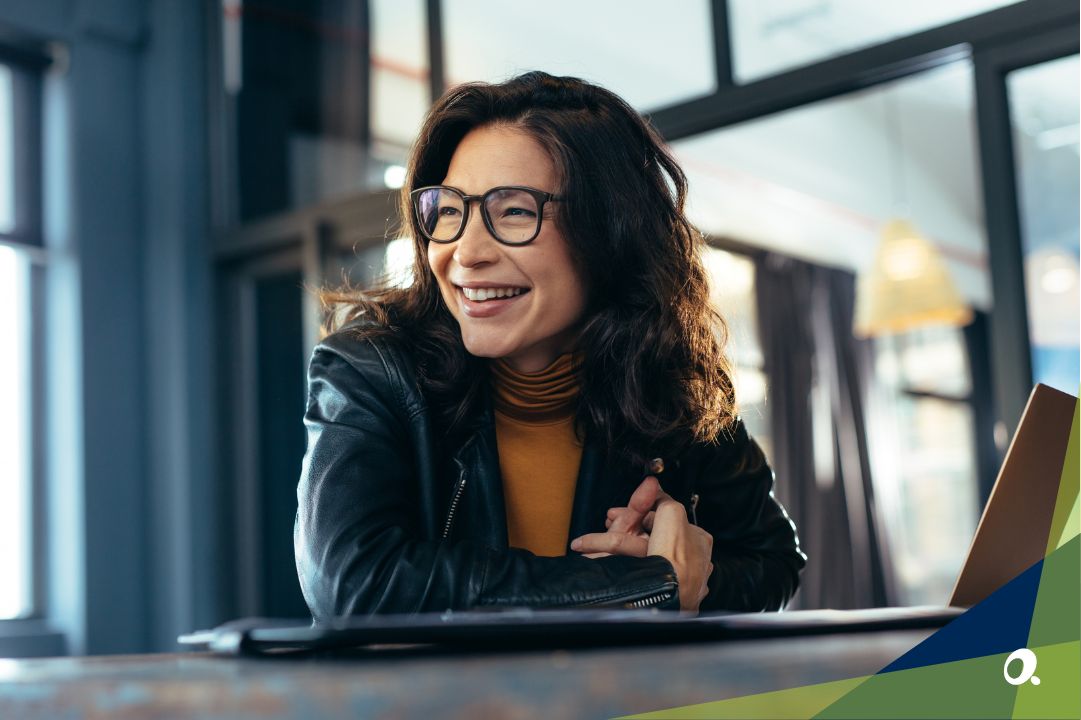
[487, 348]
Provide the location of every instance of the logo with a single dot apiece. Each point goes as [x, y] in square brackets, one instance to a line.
[1028, 667]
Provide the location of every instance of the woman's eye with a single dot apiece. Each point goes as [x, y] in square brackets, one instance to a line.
[448, 211]
[518, 212]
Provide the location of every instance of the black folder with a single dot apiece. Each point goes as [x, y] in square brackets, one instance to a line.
[526, 628]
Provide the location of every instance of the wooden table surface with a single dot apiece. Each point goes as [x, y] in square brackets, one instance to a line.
[422, 683]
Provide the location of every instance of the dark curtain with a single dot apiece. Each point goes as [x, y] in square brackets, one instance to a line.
[818, 375]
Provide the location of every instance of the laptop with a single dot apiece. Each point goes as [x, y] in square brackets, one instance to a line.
[1014, 530]
[1012, 535]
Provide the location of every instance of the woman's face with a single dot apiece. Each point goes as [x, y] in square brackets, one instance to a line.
[531, 329]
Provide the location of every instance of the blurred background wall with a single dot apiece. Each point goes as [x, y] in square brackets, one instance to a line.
[174, 175]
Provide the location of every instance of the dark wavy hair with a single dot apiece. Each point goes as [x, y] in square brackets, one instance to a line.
[655, 376]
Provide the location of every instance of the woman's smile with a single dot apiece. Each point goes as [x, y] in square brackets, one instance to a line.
[484, 306]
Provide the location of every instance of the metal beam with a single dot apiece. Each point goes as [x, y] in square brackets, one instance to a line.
[437, 76]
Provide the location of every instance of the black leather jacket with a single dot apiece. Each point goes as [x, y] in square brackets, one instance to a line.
[390, 522]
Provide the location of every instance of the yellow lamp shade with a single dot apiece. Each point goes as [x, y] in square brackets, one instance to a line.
[907, 287]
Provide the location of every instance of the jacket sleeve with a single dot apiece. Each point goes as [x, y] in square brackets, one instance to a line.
[356, 538]
[756, 553]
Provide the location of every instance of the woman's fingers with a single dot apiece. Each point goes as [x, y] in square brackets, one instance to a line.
[642, 501]
[613, 543]
[647, 521]
[663, 497]
[672, 510]
[614, 514]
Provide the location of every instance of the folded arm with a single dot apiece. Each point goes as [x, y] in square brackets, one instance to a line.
[358, 542]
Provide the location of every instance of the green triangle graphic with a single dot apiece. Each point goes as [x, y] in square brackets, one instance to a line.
[972, 688]
[1056, 615]
[1073, 523]
[1066, 521]
[794, 704]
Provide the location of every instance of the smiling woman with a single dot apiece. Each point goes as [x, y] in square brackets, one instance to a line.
[494, 434]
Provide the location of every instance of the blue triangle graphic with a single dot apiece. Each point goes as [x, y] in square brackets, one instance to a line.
[999, 624]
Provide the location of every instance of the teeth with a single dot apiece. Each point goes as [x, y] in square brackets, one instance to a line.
[482, 294]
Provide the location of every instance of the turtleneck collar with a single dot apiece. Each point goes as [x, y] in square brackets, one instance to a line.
[540, 397]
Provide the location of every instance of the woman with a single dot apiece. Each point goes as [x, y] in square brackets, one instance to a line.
[480, 437]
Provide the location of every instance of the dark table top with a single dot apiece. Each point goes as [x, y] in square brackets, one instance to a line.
[431, 683]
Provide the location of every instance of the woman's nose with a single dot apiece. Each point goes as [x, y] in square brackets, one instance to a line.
[476, 245]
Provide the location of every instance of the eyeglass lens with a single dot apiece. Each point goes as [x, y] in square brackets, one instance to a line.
[512, 214]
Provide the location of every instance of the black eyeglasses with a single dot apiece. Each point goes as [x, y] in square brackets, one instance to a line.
[511, 213]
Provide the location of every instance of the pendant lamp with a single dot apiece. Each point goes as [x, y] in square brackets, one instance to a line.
[908, 286]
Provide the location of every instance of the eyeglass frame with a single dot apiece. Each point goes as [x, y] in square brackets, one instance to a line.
[542, 198]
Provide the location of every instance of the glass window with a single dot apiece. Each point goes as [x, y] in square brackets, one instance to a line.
[732, 293]
[401, 90]
[15, 479]
[15, 482]
[652, 55]
[923, 439]
[929, 360]
[1044, 103]
[771, 36]
[323, 108]
[820, 182]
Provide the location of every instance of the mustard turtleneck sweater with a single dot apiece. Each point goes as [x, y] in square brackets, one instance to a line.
[538, 452]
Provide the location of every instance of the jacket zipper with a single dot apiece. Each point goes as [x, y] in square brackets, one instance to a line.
[655, 599]
[694, 508]
[458, 488]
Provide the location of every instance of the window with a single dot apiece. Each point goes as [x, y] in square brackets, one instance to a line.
[923, 434]
[326, 99]
[400, 79]
[16, 598]
[819, 182]
[1044, 114]
[15, 478]
[732, 293]
[651, 54]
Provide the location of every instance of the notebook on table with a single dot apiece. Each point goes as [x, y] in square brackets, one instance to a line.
[1011, 537]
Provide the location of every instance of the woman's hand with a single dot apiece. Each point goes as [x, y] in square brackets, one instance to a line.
[639, 530]
[688, 547]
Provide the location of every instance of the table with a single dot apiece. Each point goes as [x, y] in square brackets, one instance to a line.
[434, 684]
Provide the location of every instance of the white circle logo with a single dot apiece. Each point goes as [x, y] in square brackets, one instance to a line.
[1028, 667]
